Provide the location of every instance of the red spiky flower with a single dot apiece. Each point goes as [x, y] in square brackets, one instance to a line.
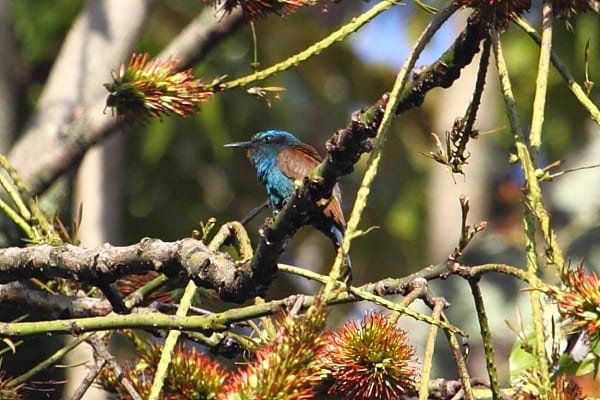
[369, 360]
[6, 391]
[579, 301]
[498, 13]
[154, 88]
[254, 9]
[191, 375]
[286, 367]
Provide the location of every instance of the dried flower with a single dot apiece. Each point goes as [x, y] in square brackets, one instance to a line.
[561, 388]
[191, 375]
[498, 12]
[370, 360]
[154, 88]
[579, 301]
[7, 392]
[285, 368]
[168, 293]
[569, 8]
[254, 9]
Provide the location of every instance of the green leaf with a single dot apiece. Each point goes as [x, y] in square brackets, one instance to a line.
[520, 358]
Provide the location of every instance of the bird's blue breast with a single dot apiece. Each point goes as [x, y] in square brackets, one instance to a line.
[279, 187]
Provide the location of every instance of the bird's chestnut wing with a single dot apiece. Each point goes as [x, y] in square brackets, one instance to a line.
[296, 162]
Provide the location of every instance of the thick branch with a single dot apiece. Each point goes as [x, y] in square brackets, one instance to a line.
[99, 266]
[444, 71]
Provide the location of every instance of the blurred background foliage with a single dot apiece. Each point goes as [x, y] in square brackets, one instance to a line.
[176, 172]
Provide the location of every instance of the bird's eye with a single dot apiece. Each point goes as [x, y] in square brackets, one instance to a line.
[268, 139]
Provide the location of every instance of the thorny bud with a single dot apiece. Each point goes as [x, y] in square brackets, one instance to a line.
[154, 88]
[192, 375]
[579, 301]
[254, 9]
[369, 360]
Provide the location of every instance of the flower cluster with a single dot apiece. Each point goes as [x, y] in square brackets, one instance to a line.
[154, 88]
[562, 387]
[569, 8]
[287, 366]
[254, 9]
[192, 375]
[498, 13]
[7, 392]
[579, 301]
[299, 361]
[370, 360]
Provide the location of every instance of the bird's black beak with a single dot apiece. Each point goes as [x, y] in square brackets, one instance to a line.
[242, 145]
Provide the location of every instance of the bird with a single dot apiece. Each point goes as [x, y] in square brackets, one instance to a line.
[281, 159]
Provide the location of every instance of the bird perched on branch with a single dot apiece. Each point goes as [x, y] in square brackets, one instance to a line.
[280, 159]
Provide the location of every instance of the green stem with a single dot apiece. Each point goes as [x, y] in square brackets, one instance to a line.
[363, 294]
[373, 163]
[461, 366]
[27, 205]
[564, 72]
[414, 294]
[429, 351]
[53, 359]
[23, 210]
[292, 61]
[541, 83]
[535, 208]
[18, 220]
[486, 335]
[136, 297]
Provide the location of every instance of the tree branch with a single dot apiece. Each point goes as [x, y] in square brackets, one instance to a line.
[52, 306]
[103, 265]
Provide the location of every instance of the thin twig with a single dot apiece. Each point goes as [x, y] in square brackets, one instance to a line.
[535, 208]
[102, 351]
[373, 163]
[53, 359]
[541, 83]
[89, 378]
[486, 335]
[564, 72]
[429, 351]
[316, 48]
[459, 360]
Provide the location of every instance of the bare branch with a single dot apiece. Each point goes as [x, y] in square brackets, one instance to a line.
[52, 306]
[103, 265]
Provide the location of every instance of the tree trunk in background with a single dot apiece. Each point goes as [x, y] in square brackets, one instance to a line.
[98, 190]
[7, 79]
[98, 32]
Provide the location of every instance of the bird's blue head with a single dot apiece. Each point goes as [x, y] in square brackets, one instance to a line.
[263, 147]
